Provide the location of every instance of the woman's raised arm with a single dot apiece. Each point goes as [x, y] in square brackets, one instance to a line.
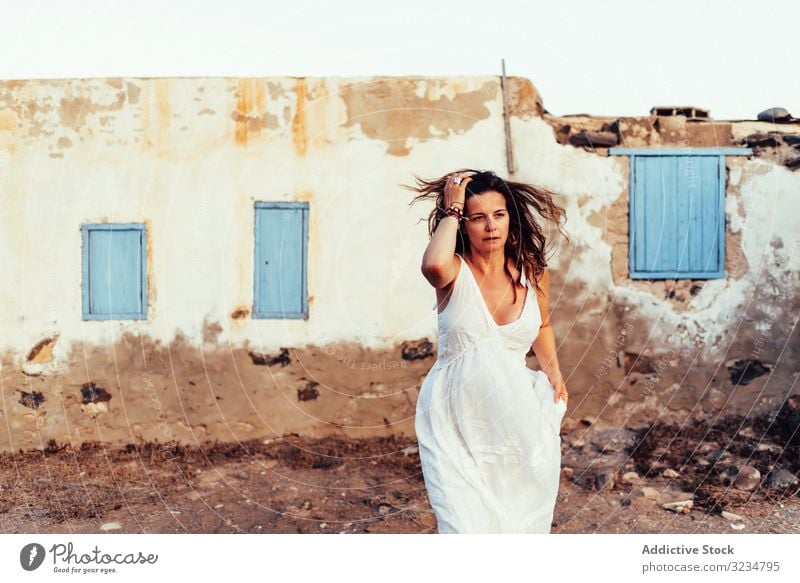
[439, 263]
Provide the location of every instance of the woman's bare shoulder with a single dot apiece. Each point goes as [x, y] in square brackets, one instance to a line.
[441, 275]
[443, 293]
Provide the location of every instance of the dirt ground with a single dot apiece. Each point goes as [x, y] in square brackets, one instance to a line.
[333, 485]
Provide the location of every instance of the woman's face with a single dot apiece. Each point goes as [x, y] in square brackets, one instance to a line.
[487, 227]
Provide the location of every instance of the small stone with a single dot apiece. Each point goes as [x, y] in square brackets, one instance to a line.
[670, 473]
[610, 440]
[731, 516]
[707, 446]
[428, 519]
[769, 447]
[780, 479]
[600, 478]
[728, 475]
[719, 455]
[681, 506]
[630, 477]
[748, 479]
[605, 479]
[576, 442]
[737, 526]
[219, 506]
[410, 450]
[567, 472]
[383, 509]
[745, 478]
[111, 526]
[650, 493]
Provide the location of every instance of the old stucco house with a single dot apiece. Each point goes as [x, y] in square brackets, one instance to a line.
[214, 258]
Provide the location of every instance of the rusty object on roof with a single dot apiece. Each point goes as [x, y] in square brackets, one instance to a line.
[776, 115]
[688, 111]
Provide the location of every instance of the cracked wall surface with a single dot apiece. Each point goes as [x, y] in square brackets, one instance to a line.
[190, 157]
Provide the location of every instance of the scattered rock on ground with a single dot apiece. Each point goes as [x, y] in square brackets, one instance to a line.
[630, 478]
[684, 506]
[781, 479]
[731, 516]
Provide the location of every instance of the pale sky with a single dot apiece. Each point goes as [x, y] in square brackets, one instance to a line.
[612, 57]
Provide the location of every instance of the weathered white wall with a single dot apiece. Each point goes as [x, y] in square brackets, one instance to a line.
[170, 153]
[189, 157]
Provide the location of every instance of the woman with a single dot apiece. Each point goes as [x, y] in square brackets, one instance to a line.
[488, 426]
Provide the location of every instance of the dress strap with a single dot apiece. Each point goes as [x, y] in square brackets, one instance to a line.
[523, 276]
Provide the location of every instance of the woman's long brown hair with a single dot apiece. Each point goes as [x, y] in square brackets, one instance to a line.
[526, 244]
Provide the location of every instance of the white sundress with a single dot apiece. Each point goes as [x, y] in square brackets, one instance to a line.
[487, 425]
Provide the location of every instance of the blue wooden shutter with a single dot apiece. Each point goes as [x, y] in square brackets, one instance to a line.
[281, 233]
[114, 272]
[677, 216]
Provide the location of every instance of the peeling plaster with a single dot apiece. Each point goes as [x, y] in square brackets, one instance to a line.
[208, 148]
[390, 110]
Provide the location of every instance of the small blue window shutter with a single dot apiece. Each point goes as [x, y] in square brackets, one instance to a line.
[677, 216]
[114, 272]
[281, 231]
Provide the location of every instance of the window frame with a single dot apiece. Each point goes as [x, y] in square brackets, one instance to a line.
[257, 312]
[720, 154]
[86, 228]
